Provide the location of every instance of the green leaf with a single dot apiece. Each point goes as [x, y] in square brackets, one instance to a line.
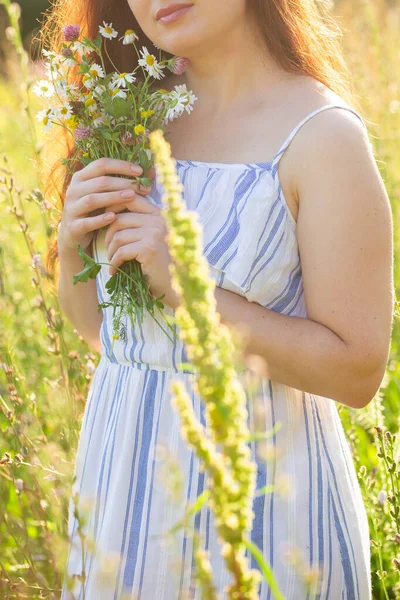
[90, 270]
[144, 160]
[192, 510]
[265, 568]
[111, 283]
[118, 107]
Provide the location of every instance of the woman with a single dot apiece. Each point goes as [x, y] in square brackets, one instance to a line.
[298, 235]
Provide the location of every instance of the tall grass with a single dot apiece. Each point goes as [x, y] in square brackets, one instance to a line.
[46, 368]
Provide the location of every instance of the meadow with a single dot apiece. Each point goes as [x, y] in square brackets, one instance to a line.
[46, 367]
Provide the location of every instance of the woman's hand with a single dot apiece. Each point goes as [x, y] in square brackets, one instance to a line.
[93, 189]
[141, 235]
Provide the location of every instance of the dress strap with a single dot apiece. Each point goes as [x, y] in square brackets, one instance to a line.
[314, 112]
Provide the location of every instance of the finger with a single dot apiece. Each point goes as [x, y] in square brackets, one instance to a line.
[107, 183]
[106, 200]
[138, 204]
[80, 227]
[105, 165]
[128, 252]
[121, 238]
[126, 221]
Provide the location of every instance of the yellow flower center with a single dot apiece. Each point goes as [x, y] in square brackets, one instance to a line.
[64, 110]
[129, 32]
[72, 122]
[108, 30]
[94, 72]
[45, 120]
[89, 102]
[150, 60]
[122, 75]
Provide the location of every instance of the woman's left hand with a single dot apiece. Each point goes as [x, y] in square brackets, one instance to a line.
[140, 234]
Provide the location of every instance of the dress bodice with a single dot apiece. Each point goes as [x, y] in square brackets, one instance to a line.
[249, 241]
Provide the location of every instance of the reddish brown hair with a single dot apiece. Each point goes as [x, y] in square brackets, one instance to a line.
[300, 35]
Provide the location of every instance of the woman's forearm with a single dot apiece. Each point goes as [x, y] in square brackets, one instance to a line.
[79, 302]
[299, 353]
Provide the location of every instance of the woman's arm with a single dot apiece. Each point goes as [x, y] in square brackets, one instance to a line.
[345, 241]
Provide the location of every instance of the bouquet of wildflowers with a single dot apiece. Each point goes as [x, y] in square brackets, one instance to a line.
[112, 114]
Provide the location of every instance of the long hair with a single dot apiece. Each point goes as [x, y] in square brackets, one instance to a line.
[300, 35]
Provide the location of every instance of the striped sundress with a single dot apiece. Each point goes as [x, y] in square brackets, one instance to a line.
[135, 476]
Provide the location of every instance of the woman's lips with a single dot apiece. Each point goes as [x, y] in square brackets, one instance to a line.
[175, 15]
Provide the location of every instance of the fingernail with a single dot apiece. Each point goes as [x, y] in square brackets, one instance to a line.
[137, 170]
[128, 194]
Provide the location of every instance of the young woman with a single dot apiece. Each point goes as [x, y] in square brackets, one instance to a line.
[298, 235]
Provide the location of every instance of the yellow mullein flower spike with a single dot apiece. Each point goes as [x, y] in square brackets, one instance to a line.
[209, 346]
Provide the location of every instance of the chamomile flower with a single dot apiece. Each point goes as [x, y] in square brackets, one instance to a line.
[150, 63]
[129, 37]
[116, 92]
[95, 71]
[122, 79]
[52, 69]
[184, 96]
[99, 120]
[64, 112]
[90, 104]
[44, 88]
[45, 118]
[81, 48]
[49, 54]
[108, 31]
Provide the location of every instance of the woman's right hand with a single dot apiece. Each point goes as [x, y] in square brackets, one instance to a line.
[91, 190]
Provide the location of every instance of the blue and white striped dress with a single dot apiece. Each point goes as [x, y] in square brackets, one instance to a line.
[135, 475]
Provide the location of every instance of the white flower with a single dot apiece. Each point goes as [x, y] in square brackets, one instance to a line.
[52, 69]
[150, 63]
[44, 88]
[81, 48]
[149, 153]
[183, 96]
[130, 37]
[69, 62]
[95, 71]
[64, 112]
[98, 121]
[108, 31]
[122, 79]
[49, 54]
[45, 118]
[115, 92]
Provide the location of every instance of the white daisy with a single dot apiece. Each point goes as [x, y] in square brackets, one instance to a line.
[45, 118]
[64, 112]
[115, 92]
[108, 31]
[122, 79]
[61, 89]
[52, 69]
[184, 96]
[44, 88]
[129, 38]
[95, 71]
[81, 48]
[49, 54]
[98, 121]
[69, 62]
[150, 63]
